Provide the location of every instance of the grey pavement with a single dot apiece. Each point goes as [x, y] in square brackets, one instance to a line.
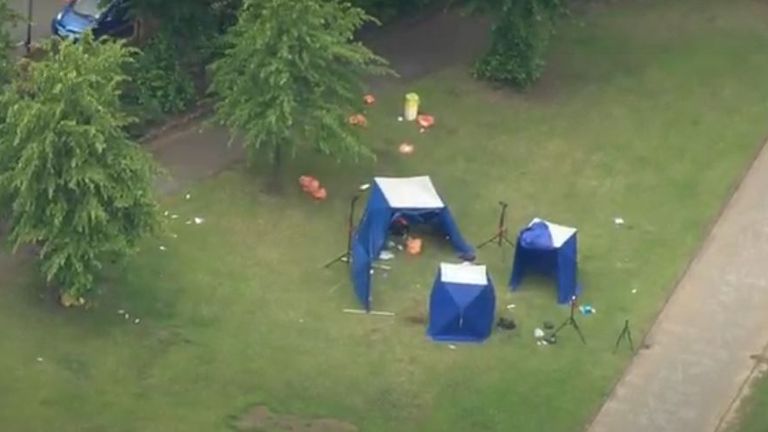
[43, 12]
[193, 154]
[700, 346]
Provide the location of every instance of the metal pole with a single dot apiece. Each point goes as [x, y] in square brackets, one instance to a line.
[28, 41]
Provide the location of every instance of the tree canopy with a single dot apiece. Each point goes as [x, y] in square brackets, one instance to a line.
[291, 76]
[7, 18]
[72, 182]
[519, 40]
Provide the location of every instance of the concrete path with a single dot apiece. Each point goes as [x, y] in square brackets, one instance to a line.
[43, 12]
[193, 154]
[700, 347]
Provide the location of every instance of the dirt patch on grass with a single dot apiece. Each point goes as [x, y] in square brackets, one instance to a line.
[261, 419]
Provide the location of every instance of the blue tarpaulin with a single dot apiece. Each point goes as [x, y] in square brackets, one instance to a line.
[413, 199]
[462, 304]
[547, 249]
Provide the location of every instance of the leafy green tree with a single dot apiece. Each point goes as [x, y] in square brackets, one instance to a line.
[519, 41]
[291, 76]
[75, 185]
[7, 18]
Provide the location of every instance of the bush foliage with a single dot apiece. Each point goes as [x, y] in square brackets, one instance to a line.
[519, 42]
[161, 84]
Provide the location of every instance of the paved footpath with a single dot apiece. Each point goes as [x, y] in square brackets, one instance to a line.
[43, 11]
[700, 347]
[193, 154]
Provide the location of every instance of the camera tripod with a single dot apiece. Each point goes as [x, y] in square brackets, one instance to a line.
[501, 231]
[571, 321]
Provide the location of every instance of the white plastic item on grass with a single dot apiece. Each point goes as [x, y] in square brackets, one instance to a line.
[618, 221]
[538, 333]
[199, 220]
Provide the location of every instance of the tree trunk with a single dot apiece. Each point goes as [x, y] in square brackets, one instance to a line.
[275, 182]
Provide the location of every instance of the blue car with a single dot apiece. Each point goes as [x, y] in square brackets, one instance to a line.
[110, 18]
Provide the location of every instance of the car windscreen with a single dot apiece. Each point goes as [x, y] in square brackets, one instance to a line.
[91, 8]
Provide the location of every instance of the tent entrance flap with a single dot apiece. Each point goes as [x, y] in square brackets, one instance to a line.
[415, 200]
[550, 250]
[462, 306]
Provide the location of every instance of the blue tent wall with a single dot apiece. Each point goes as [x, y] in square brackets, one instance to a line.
[557, 263]
[361, 275]
[461, 313]
[372, 233]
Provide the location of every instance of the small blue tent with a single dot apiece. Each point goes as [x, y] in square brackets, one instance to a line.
[548, 249]
[462, 304]
[411, 198]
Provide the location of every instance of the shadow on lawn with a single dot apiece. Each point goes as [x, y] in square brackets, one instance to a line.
[259, 418]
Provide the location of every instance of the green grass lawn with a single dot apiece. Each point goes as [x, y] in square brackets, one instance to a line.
[752, 415]
[650, 111]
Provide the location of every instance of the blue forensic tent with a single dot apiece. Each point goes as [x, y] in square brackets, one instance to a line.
[411, 198]
[462, 304]
[548, 249]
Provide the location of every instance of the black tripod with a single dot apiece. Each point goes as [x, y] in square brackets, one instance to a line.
[501, 230]
[625, 334]
[571, 320]
[347, 255]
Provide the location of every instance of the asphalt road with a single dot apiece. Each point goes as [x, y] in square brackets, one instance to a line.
[43, 12]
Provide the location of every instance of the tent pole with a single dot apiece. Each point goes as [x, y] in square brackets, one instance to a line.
[362, 312]
[347, 255]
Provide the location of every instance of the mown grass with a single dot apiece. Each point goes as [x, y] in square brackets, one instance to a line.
[650, 112]
[752, 415]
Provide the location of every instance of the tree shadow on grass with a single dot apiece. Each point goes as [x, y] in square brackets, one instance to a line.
[260, 419]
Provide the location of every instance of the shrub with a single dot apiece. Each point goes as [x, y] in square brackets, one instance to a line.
[519, 42]
[162, 85]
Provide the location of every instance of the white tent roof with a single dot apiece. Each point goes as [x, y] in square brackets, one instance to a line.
[560, 233]
[467, 274]
[410, 192]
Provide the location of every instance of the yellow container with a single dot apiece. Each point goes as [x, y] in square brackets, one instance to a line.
[411, 106]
